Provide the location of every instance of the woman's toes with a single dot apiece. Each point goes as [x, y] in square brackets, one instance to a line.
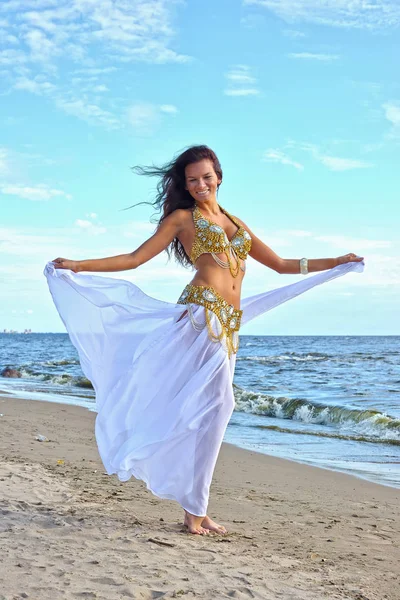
[222, 530]
[213, 526]
[203, 531]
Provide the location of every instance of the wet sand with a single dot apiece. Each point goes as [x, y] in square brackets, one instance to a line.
[68, 530]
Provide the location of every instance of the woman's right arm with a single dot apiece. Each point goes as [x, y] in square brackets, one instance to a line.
[165, 234]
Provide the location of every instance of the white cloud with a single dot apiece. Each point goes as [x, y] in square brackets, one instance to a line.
[100, 88]
[133, 228]
[343, 242]
[298, 232]
[13, 163]
[12, 58]
[42, 48]
[277, 156]
[371, 87]
[241, 82]
[242, 92]
[145, 117]
[35, 86]
[373, 147]
[23, 269]
[140, 30]
[6, 38]
[381, 270]
[93, 71]
[45, 244]
[359, 14]
[334, 163]
[71, 104]
[382, 264]
[240, 74]
[87, 37]
[252, 21]
[89, 85]
[169, 109]
[90, 227]
[392, 113]
[292, 33]
[314, 56]
[88, 111]
[38, 192]
[4, 166]
[83, 224]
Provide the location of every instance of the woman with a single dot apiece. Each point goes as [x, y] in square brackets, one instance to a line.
[163, 372]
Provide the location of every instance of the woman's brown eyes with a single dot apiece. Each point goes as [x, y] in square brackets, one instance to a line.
[194, 180]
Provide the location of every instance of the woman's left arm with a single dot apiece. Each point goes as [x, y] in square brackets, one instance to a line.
[266, 256]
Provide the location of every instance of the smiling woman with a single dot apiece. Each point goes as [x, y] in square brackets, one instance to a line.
[163, 372]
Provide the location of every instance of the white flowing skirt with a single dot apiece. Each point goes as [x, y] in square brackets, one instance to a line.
[163, 389]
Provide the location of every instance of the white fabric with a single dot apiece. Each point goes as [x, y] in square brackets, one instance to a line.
[163, 390]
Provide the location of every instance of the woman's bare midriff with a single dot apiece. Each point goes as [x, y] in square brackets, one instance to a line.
[210, 274]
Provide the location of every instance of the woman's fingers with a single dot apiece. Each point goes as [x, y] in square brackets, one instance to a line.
[355, 258]
[61, 263]
[351, 257]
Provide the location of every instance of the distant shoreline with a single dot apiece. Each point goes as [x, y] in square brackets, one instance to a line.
[285, 335]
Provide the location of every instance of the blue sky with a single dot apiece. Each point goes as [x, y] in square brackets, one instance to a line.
[300, 100]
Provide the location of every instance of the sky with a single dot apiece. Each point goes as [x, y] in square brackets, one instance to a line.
[299, 99]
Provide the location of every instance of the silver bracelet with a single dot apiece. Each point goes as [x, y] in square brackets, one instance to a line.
[304, 266]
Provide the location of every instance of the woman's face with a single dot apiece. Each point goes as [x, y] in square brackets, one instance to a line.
[201, 180]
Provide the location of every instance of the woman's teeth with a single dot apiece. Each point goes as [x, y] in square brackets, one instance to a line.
[203, 193]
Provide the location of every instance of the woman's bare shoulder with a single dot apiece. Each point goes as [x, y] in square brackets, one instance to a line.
[242, 223]
[182, 216]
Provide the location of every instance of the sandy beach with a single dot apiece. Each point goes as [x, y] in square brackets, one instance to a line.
[70, 531]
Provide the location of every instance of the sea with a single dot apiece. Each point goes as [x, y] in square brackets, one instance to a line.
[328, 401]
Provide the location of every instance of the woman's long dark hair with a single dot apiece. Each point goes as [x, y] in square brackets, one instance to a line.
[171, 189]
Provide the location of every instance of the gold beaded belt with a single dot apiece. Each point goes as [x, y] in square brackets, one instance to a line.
[228, 316]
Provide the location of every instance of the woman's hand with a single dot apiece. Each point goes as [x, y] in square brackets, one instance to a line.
[349, 258]
[64, 263]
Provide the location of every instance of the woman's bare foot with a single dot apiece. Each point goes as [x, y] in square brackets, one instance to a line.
[213, 526]
[206, 524]
[194, 524]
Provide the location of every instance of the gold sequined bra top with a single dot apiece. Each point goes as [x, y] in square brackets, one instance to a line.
[210, 238]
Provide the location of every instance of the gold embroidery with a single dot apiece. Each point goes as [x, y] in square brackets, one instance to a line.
[228, 316]
[211, 238]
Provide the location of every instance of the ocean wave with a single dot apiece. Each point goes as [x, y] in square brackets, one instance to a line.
[63, 379]
[290, 356]
[369, 423]
[61, 363]
[337, 436]
[313, 357]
